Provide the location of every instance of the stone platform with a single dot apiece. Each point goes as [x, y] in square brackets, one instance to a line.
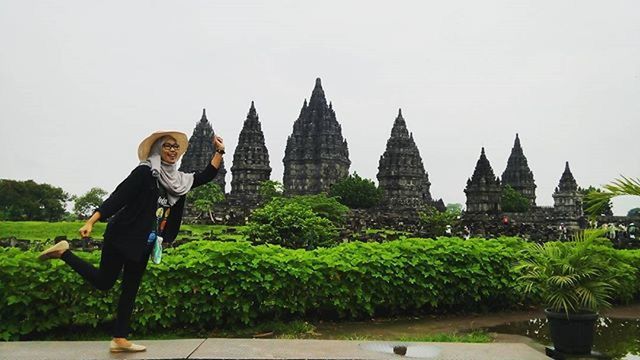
[258, 349]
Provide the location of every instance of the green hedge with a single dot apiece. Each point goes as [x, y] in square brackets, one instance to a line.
[213, 284]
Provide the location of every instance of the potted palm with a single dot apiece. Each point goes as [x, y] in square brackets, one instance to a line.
[574, 280]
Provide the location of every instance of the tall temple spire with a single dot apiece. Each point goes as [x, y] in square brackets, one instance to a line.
[250, 162]
[518, 175]
[252, 111]
[483, 188]
[401, 174]
[316, 155]
[201, 150]
[318, 99]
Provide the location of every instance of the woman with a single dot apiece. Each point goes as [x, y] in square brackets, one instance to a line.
[146, 206]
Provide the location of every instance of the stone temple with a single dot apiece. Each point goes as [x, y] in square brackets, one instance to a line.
[483, 188]
[250, 162]
[401, 175]
[518, 175]
[567, 201]
[316, 155]
[201, 150]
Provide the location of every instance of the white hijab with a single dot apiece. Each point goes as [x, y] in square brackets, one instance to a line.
[175, 182]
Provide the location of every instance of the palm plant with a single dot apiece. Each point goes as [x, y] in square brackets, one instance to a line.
[596, 201]
[571, 277]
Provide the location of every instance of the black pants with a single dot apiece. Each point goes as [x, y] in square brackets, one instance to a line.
[112, 262]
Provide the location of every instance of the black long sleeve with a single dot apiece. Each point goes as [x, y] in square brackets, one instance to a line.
[204, 176]
[124, 193]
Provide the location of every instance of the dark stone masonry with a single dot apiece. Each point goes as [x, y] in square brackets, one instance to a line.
[317, 156]
[401, 175]
[518, 175]
[250, 163]
[483, 189]
[201, 150]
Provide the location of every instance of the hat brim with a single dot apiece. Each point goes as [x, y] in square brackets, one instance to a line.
[145, 146]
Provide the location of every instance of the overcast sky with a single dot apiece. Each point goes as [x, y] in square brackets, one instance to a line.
[83, 82]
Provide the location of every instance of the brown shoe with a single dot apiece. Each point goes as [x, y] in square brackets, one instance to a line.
[130, 347]
[55, 251]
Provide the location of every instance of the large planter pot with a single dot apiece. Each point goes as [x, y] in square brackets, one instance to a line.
[572, 333]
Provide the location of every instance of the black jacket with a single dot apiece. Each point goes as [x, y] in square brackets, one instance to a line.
[131, 209]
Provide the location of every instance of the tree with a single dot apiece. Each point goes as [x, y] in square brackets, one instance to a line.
[635, 212]
[605, 208]
[456, 208]
[269, 189]
[205, 197]
[597, 201]
[323, 206]
[435, 222]
[30, 201]
[356, 192]
[513, 201]
[84, 205]
[290, 224]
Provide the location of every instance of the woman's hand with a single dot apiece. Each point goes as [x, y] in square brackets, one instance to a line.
[85, 230]
[218, 144]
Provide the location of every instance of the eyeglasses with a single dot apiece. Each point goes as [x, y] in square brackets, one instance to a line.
[174, 147]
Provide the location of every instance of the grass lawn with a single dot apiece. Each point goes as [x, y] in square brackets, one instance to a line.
[42, 230]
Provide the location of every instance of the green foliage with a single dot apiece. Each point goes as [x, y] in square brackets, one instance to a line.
[435, 222]
[205, 197]
[208, 284]
[84, 205]
[602, 208]
[356, 192]
[575, 276]
[28, 201]
[290, 224]
[455, 208]
[597, 201]
[513, 201]
[270, 189]
[635, 212]
[323, 206]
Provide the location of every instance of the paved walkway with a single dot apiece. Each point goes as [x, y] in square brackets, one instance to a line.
[264, 349]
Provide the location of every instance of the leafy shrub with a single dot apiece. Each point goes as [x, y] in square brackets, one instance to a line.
[298, 222]
[202, 285]
[323, 206]
[356, 192]
[269, 189]
[289, 224]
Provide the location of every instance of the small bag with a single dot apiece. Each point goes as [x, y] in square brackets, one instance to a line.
[156, 253]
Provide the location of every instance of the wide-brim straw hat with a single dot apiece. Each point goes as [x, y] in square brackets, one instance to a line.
[145, 146]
